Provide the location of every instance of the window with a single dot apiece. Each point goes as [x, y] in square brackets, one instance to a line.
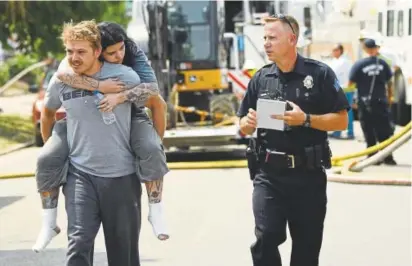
[400, 23]
[190, 20]
[380, 22]
[410, 22]
[259, 6]
[189, 12]
[390, 22]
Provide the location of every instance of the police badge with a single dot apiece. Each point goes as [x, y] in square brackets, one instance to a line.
[308, 82]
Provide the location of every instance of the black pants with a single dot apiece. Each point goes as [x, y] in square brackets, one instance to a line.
[375, 123]
[296, 197]
[113, 202]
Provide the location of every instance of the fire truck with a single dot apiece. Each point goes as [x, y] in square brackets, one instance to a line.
[394, 29]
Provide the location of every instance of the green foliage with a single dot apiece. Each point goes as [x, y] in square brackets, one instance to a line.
[4, 73]
[19, 62]
[15, 129]
[38, 24]
[116, 13]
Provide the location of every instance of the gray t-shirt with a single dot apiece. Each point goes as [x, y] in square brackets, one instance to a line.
[96, 148]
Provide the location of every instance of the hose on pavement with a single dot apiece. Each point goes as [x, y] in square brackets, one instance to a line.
[337, 161]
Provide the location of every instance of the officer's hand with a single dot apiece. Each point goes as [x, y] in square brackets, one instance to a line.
[294, 117]
[251, 119]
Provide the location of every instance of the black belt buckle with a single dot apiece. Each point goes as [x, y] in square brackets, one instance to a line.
[289, 159]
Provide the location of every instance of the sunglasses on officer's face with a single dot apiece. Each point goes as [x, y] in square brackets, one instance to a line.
[284, 19]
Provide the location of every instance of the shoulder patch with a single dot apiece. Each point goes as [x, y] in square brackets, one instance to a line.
[336, 84]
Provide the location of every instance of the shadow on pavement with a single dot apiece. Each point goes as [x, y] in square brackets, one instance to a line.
[201, 155]
[50, 257]
[4, 201]
[403, 165]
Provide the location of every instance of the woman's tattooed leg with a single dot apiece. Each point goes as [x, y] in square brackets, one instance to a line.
[49, 228]
[154, 192]
[49, 199]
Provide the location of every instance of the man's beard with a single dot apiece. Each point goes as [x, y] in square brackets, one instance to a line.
[76, 65]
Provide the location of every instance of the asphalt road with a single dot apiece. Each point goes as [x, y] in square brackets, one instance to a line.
[210, 220]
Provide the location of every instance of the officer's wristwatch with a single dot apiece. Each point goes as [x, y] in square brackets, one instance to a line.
[307, 120]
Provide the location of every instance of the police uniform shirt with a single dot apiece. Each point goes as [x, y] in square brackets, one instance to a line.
[311, 85]
[362, 74]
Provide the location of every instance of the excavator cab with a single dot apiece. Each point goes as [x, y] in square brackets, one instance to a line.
[189, 53]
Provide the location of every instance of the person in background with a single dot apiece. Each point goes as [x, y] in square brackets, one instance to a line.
[341, 65]
[389, 57]
[371, 76]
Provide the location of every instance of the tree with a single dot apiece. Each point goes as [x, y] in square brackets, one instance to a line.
[37, 24]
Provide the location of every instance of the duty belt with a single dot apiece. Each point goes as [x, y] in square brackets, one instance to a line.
[310, 157]
[278, 159]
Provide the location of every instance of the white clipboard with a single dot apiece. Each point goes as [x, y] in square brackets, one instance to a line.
[265, 108]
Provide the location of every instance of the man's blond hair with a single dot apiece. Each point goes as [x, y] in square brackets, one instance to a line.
[293, 22]
[83, 31]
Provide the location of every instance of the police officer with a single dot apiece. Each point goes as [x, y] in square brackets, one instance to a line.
[371, 75]
[289, 178]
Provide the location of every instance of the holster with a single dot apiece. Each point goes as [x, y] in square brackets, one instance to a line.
[327, 156]
[252, 158]
[318, 156]
[367, 103]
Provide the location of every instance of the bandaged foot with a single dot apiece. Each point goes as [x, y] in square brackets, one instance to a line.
[48, 231]
[156, 219]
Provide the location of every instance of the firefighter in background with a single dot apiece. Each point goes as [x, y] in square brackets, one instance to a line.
[371, 75]
[390, 59]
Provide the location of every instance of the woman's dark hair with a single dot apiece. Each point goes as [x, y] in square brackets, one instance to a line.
[113, 33]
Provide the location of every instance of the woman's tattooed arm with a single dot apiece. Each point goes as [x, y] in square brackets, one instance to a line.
[79, 81]
[141, 93]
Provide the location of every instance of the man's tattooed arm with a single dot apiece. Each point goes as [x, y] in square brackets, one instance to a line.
[154, 190]
[79, 81]
[49, 199]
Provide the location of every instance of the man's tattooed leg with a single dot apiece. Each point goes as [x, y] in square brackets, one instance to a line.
[49, 224]
[154, 193]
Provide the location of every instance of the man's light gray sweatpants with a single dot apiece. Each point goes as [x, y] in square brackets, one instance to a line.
[113, 202]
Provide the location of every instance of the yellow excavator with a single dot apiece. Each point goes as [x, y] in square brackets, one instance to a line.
[190, 53]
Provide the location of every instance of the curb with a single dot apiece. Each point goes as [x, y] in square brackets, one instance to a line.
[17, 148]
